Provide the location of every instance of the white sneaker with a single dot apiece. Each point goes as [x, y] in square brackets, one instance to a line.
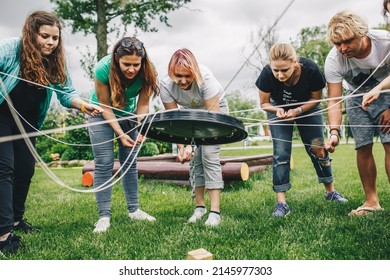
[198, 214]
[141, 215]
[102, 225]
[213, 220]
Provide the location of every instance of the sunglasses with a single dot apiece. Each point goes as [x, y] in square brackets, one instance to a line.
[127, 43]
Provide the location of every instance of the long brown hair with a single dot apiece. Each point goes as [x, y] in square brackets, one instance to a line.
[33, 66]
[117, 80]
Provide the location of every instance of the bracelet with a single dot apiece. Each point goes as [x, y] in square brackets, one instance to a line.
[338, 131]
[82, 108]
[300, 110]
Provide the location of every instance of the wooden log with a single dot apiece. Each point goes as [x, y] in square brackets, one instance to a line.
[163, 157]
[250, 160]
[232, 171]
[257, 169]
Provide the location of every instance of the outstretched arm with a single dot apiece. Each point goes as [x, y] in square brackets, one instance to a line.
[85, 107]
[374, 94]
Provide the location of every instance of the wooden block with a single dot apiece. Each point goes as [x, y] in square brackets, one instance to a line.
[199, 254]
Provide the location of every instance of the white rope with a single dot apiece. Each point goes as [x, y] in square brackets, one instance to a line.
[44, 166]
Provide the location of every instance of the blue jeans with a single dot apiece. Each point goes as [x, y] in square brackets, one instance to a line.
[104, 161]
[310, 128]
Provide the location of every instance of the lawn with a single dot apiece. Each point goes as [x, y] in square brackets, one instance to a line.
[315, 230]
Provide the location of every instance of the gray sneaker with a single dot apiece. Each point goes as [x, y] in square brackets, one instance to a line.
[281, 210]
[141, 215]
[213, 220]
[336, 197]
[198, 214]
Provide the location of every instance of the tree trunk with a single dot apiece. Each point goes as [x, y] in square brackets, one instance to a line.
[101, 29]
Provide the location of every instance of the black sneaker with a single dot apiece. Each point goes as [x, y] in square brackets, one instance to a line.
[25, 227]
[10, 245]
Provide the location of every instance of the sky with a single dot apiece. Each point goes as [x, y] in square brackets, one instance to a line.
[215, 31]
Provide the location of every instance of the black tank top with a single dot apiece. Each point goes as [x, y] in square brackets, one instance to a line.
[26, 99]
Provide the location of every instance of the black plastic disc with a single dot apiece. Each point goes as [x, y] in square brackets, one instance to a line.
[194, 126]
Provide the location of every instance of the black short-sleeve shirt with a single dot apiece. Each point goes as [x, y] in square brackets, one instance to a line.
[311, 79]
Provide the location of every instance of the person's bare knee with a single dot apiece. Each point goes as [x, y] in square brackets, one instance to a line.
[318, 149]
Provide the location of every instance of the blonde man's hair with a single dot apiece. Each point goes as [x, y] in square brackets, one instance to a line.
[346, 25]
[282, 51]
[186, 59]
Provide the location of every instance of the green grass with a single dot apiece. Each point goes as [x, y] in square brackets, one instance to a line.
[315, 230]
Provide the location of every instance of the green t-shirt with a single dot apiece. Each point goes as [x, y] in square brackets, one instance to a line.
[102, 73]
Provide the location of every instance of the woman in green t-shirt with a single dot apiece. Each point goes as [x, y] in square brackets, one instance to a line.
[124, 82]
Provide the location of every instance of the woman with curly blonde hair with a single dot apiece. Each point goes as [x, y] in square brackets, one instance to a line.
[31, 68]
[125, 80]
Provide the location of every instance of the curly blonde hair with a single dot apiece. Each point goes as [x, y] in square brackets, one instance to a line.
[34, 66]
[117, 80]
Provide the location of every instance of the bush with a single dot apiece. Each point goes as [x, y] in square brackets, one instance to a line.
[46, 146]
[163, 147]
[77, 136]
[148, 149]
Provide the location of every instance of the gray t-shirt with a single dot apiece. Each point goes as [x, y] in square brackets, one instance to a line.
[195, 97]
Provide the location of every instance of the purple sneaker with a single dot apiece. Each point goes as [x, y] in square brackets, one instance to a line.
[281, 210]
[336, 197]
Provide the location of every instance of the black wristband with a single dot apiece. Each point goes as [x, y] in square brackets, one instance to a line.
[338, 131]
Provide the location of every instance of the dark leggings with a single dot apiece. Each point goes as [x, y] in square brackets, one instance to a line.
[17, 166]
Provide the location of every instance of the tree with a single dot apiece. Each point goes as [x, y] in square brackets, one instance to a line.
[311, 43]
[95, 16]
[261, 41]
